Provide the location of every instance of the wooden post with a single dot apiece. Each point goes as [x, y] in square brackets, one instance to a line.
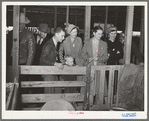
[106, 19]
[55, 17]
[116, 15]
[15, 58]
[67, 16]
[24, 11]
[50, 19]
[87, 22]
[142, 32]
[76, 18]
[128, 34]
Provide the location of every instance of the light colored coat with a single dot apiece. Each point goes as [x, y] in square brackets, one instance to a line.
[87, 52]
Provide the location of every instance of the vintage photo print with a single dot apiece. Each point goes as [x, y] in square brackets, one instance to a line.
[74, 60]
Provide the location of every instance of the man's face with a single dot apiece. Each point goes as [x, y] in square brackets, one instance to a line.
[21, 25]
[43, 35]
[60, 36]
[74, 33]
[98, 34]
[112, 35]
[69, 61]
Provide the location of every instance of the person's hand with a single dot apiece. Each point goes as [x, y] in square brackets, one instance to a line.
[95, 58]
[59, 65]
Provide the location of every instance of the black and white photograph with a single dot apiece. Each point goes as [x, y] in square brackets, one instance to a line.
[74, 60]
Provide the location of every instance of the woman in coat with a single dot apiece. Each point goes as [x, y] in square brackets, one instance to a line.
[72, 46]
[95, 52]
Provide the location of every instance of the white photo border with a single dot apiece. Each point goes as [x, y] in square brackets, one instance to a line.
[66, 114]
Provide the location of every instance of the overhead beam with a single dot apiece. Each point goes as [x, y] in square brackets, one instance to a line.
[128, 34]
[87, 22]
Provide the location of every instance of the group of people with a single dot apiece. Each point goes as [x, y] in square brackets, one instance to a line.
[42, 50]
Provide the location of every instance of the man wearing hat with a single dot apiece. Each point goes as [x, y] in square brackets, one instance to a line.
[41, 38]
[27, 42]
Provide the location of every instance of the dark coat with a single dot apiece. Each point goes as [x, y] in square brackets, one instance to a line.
[115, 51]
[27, 47]
[39, 49]
[49, 53]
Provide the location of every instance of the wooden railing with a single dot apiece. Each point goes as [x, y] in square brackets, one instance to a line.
[99, 75]
[52, 70]
[97, 87]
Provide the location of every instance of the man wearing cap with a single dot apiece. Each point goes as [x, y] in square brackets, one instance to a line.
[49, 57]
[115, 49]
[27, 42]
[40, 39]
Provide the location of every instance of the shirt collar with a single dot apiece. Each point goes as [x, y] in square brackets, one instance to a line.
[55, 42]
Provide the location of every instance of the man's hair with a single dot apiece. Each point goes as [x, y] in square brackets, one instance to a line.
[97, 28]
[58, 30]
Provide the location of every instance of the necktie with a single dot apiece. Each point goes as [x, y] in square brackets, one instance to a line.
[39, 41]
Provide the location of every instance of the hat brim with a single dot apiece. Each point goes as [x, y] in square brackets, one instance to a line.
[46, 31]
[25, 22]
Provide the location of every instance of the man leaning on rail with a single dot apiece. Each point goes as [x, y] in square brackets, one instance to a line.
[49, 57]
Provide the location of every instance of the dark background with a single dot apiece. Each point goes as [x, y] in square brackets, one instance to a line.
[77, 15]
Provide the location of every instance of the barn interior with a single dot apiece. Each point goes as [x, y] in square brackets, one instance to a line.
[60, 16]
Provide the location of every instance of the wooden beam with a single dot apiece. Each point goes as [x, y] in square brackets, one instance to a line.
[24, 11]
[29, 84]
[142, 32]
[55, 17]
[107, 67]
[15, 58]
[52, 70]
[9, 99]
[67, 16]
[41, 98]
[27, 109]
[128, 34]
[76, 18]
[106, 19]
[87, 22]
[14, 99]
[116, 15]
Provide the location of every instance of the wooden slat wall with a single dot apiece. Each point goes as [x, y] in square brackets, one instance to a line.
[42, 98]
[29, 84]
[100, 70]
[101, 88]
[52, 70]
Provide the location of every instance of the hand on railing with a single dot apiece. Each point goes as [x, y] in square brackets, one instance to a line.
[59, 65]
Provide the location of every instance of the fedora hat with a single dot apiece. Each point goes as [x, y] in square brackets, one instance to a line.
[44, 28]
[24, 19]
